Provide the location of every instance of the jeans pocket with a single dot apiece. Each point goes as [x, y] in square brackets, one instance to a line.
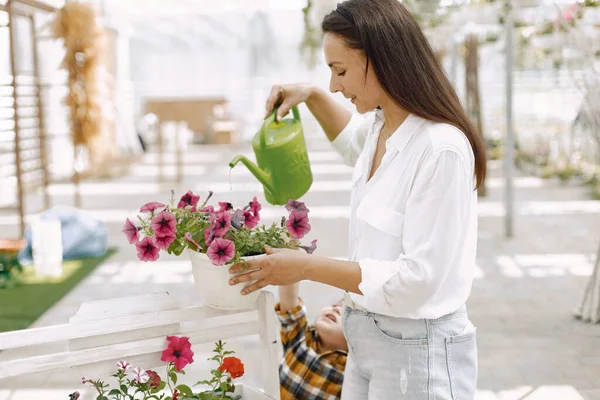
[461, 357]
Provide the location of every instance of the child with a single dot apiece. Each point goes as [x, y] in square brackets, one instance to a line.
[314, 355]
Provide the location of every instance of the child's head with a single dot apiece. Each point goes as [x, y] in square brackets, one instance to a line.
[329, 328]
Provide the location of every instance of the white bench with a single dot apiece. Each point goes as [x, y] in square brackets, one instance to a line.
[134, 329]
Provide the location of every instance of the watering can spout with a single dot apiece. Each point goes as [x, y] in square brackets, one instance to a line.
[263, 177]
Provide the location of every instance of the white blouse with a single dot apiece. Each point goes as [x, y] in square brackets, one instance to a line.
[413, 226]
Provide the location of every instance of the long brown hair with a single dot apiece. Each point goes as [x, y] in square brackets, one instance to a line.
[404, 63]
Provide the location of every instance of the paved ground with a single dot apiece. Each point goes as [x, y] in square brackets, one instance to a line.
[530, 346]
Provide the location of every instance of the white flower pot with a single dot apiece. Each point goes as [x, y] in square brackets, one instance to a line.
[212, 284]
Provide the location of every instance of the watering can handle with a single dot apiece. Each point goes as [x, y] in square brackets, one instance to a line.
[270, 119]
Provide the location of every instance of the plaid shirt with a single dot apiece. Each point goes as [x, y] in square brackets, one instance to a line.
[306, 371]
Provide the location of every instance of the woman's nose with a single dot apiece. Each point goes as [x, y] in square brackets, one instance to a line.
[334, 86]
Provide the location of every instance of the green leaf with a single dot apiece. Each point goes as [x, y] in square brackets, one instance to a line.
[185, 390]
[124, 388]
[114, 392]
[173, 377]
[101, 397]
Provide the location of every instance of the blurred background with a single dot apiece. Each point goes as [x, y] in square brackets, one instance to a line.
[106, 105]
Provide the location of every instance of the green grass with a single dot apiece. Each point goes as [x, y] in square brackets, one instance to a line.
[21, 305]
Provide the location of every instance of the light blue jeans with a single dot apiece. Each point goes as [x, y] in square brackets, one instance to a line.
[399, 358]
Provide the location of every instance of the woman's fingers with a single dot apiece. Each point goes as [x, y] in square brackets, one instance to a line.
[248, 276]
[276, 96]
[255, 286]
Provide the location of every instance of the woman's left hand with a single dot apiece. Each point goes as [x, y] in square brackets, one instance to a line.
[278, 267]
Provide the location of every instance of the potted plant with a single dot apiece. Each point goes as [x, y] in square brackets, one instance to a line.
[135, 383]
[214, 238]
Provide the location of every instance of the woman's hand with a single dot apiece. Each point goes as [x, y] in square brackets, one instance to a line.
[278, 267]
[287, 96]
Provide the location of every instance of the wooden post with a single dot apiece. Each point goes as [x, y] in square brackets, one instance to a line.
[41, 114]
[181, 126]
[160, 155]
[13, 69]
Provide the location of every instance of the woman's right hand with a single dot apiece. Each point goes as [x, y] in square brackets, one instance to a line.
[287, 96]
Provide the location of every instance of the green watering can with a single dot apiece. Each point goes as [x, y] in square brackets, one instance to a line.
[283, 167]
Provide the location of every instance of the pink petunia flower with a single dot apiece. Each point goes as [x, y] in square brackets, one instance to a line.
[295, 205]
[179, 352]
[208, 209]
[150, 207]
[164, 224]
[130, 231]
[297, 224]
[255, 206]
[147, 250]
[224, 206]
[220, 251]
[222, 223]
[188, 199]
[310, 249]
[140, 375]
[163, 242]
[251, 219]
[124, 365]
[188, 237]
[209, 235]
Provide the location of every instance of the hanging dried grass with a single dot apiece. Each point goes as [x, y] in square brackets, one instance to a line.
[85, 59]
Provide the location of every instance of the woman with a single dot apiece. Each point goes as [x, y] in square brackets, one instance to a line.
[413, 225]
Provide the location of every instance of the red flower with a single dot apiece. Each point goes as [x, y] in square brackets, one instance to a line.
[295, 205]
[150, 207]
[163, 242]
[222, 223]
[188, 199]
[220, 251]
[175, 395]
[224, 206]
[164, 224]
[255, 206]
[208, 209]
[297, 224]
[130, 231]
[233, 366]
[147, 250]
[251, 219]
[154, 380]
[178, 352]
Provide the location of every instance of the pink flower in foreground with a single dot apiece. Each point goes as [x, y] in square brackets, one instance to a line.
[295, 205]
[224, 206]
[251, 219]
[310, 249]
[188, 237]
[150, 207]
[208, 209]
[179, 352]
[147, 250]
[163, 242]
[255, 206]
[297, 224]
[220, 251]
[222, 223]
[130, 231]
[140, 375]
[164, 224]
[188, 199]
